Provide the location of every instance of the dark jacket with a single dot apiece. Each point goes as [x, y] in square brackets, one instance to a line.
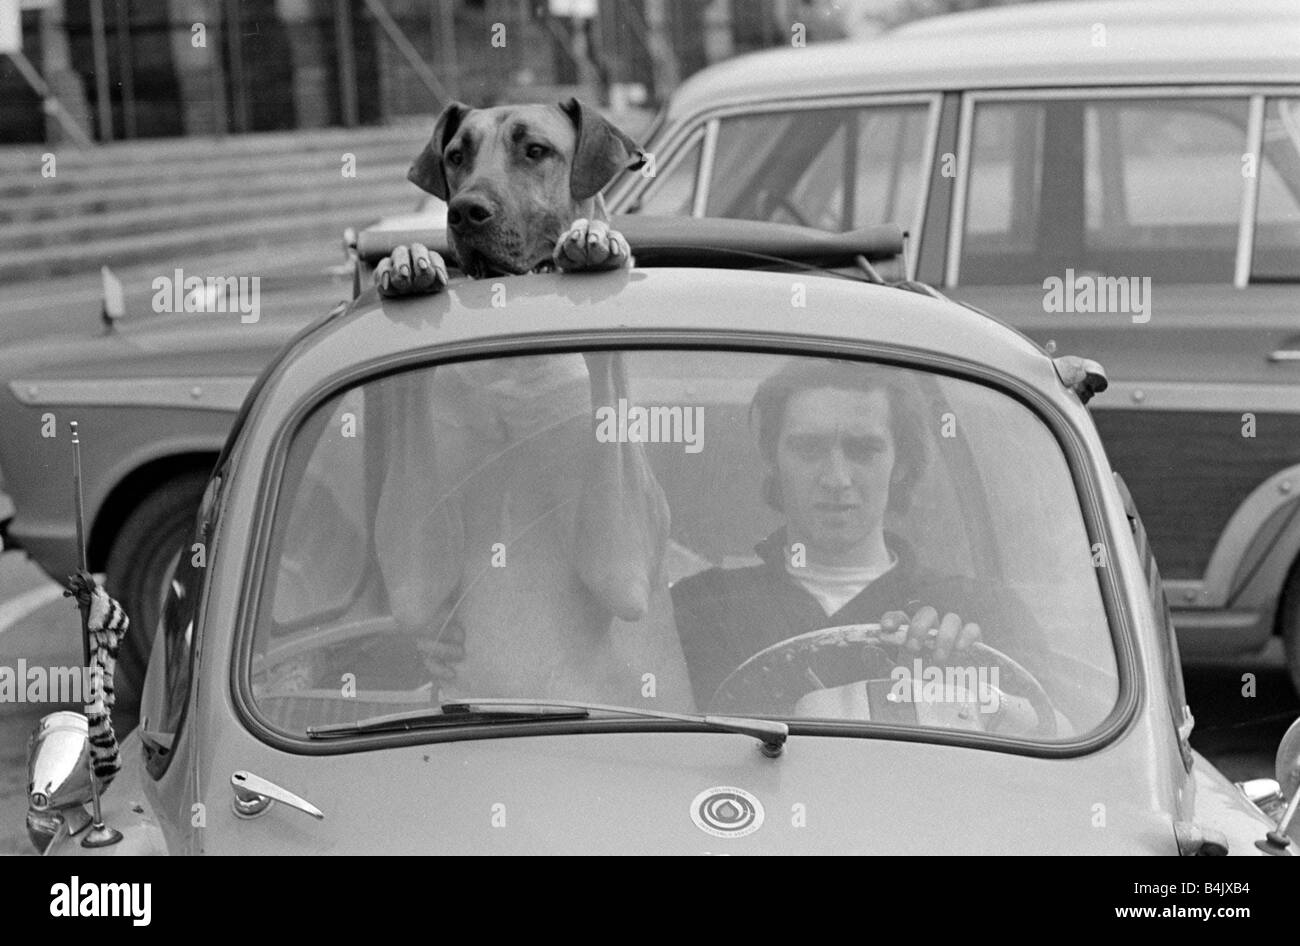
[725, 616]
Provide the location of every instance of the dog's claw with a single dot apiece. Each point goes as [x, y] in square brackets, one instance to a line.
[590, 245]
[410, 271]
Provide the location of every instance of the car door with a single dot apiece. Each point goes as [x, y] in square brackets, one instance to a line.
[1119, 224]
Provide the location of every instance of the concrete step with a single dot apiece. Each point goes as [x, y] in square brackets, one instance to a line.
[115, 172]
[350, 196]
[31, 200]
[317, 228]
[162, 151]
[39, 204]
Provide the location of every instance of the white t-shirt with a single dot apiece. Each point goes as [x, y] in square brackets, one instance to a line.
[834, 586]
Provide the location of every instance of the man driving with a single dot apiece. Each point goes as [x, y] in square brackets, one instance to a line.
[843, 444]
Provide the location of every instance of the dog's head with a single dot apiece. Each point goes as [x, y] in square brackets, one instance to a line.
[515, 176]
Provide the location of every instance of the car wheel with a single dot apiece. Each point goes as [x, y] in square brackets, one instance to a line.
[139, 561]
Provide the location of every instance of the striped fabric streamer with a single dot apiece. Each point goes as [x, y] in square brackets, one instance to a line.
[107, 624]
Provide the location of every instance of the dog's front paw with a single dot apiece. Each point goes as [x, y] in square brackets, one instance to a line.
[591, 245]
[411, 270]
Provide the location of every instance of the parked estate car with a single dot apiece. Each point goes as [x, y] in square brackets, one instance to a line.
[288, 707]
[1019, 146]
[1119, 181]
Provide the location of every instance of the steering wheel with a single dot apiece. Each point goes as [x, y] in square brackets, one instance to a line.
[766, 201]
[775, 678]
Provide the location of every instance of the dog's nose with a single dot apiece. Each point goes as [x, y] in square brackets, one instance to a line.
[468, 212]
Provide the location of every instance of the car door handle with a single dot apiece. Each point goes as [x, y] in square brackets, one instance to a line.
[254, 795]
[1284, 354]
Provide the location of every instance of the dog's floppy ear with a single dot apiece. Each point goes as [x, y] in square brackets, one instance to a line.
[601, 152]
[426, 170]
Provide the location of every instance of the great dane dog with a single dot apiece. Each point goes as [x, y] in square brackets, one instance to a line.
[522, 186]
[502, 521]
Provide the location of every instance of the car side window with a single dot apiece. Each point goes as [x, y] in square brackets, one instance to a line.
[890, 161]
[1103, 186]
[1002, 202]
[834, 169]
[1277, 217]
[1167, 639]
[672, 192]
[163, 707]
[328, 513]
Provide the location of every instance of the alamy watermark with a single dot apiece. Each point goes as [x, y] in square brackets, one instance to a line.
[1126, 295]
[181, 293]
[946, 684]
[627, 423]
[76, 899]
[35, 683]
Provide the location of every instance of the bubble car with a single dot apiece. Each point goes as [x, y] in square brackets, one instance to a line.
[753, 547]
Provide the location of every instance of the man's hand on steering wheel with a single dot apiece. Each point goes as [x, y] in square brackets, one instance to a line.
[926, 632]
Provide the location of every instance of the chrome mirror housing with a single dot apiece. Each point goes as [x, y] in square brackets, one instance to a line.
[58, 776]
[58, 773]
[1287, 767]
[1286, 838]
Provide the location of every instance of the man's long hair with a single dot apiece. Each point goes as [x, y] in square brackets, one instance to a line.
[907, 423]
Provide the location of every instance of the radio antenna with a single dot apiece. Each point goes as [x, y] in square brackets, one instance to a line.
[100, 834]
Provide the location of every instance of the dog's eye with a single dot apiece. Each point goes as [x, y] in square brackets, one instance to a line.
[535, 152]
[455, 156]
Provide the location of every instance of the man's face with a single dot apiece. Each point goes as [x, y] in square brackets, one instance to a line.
[834, 459]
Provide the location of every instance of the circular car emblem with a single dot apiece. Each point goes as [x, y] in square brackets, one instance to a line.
[727, 812]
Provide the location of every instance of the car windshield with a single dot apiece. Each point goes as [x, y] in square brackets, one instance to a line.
[683, 530]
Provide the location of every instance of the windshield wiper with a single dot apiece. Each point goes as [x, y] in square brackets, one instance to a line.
[771, 733]
[447, 715]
